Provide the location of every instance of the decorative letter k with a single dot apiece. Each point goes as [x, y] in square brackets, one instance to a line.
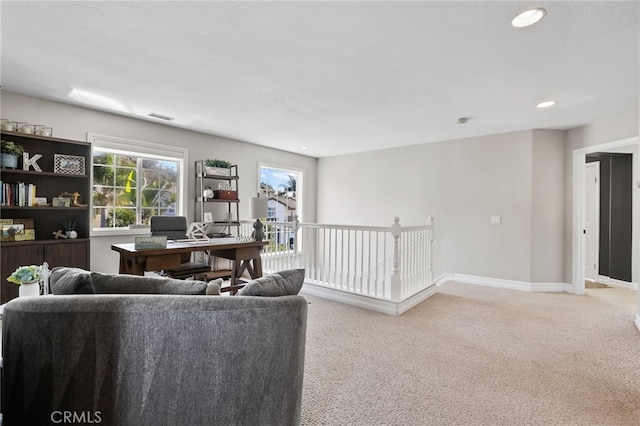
[26, 162]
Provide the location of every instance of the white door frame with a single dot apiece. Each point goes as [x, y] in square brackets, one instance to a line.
[593, 233]
[579, 160]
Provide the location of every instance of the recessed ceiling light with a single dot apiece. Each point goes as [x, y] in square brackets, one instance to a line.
[546, 104]
[528, 17]
[304, 147]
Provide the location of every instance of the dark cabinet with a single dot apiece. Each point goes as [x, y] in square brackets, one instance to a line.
[55, 253]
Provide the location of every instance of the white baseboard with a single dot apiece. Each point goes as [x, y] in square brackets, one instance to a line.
[443, 279]
[638, 321]
[416, 299]
[397, 308]
[618, 283]
[379, 305]
[502, 283]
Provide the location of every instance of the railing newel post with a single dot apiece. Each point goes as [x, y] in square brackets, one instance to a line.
[396, 230]
[431, 232]
[296, 226]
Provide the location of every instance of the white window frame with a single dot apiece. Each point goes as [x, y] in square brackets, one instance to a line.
[299, 183]
[139, 148]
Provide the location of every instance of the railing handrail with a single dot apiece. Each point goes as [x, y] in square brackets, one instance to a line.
[343, 227]
[416, 227]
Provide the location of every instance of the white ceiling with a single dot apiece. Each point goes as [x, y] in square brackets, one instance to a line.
[336, 77]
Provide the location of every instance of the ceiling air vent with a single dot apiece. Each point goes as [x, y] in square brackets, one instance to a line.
[161, 117]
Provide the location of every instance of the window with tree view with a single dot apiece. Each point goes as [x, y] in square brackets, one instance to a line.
[129, 188]
[281, 187]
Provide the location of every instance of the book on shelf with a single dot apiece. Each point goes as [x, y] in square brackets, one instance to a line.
[18, 194]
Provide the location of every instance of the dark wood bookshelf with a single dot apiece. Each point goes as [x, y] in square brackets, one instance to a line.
[46, 218]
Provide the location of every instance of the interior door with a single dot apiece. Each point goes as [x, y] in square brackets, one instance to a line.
[591, 219]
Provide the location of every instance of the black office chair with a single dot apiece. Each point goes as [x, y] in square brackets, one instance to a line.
[175, 228]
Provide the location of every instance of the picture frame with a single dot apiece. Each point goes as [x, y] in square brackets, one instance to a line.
[12, 230]
[68, 164]
[61, 202]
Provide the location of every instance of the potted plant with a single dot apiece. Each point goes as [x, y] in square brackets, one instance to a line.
[69, 226]
[217, 167]
[9, 153]
[28, 278]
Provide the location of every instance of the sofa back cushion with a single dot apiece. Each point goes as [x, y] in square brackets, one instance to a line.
[134, 284]
[64, 280]
[283, 283]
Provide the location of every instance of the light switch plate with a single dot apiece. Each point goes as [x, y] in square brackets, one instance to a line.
[496, 220]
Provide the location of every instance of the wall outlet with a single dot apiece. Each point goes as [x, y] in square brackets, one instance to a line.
[496, 220]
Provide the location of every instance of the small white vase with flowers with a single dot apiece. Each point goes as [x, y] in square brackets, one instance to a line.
[28, 278]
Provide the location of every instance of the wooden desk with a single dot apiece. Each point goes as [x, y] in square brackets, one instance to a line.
[245, 256]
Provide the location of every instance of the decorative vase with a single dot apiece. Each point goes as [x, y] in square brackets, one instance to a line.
[9, 161]
[29, 289]
[72, 234]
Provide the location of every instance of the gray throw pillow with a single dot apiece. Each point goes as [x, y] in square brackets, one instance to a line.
[283, 283]
[135, 284]
[65, 280]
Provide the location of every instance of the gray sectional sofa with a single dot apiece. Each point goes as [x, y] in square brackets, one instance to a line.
[156, 359]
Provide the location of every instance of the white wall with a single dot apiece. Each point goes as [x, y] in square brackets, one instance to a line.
[71, 122]
[525, 177]
[462, 183]
[547, 214]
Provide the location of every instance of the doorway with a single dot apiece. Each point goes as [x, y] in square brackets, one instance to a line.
[579, 241]
[615, 210]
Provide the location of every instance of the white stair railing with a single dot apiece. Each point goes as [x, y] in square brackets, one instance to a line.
[391, 263]
[347, 258]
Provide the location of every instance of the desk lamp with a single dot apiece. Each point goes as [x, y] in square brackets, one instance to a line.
[257, 209]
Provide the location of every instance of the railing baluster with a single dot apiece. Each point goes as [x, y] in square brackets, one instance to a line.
[369, 268]
[348, 255]
[361, 260]
[337, 257]
[377, 270]
[321, 249]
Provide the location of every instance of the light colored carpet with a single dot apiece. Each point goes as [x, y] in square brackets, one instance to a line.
[594, 284]
[474, 355]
